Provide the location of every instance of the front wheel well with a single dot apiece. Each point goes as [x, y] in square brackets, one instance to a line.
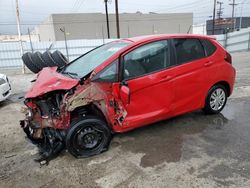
[90, 109]
[226, 85]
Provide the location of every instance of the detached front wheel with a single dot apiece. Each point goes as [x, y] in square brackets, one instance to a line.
[88, 136]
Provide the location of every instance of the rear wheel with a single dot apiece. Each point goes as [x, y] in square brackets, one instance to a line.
[88, 136]
[216, 99]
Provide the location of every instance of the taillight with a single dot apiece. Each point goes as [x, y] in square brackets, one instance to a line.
[228, 58]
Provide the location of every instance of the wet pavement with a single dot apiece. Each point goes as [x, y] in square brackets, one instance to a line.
[192, 150]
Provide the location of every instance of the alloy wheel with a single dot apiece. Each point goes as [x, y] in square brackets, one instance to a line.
[217, 99]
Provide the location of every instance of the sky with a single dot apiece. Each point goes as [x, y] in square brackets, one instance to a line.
[33, 12]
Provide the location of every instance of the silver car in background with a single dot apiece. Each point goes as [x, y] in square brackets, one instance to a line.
[5, 88]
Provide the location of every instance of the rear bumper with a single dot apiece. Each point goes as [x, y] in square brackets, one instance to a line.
[232, 81]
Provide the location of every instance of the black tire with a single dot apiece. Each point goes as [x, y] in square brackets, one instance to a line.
[27, 60]
[36, 62]
[47, 57]
[88, 136]
[37, 57]
[59, 58]
[210, 106]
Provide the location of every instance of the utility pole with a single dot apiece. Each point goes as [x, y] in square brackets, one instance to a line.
[107, 17]
[214, 17]
[233, 7]
[31, 46]
[117, 19]
[65, 40]
[242, 4]
[19, 34]
[220, 12]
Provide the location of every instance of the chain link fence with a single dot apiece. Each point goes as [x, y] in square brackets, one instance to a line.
[10, 51]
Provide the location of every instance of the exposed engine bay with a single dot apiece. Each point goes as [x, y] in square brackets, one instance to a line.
[45, 124]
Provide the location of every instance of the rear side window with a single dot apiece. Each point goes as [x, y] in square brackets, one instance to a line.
[188, 49]
[209, 47]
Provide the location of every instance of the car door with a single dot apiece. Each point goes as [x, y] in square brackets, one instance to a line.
[147, 77]
[190, 80]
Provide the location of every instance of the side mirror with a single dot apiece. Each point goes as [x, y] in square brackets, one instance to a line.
[125, 94]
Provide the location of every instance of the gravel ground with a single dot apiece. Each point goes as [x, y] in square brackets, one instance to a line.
[192, 150]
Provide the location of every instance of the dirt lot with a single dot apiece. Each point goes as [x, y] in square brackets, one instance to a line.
[193, 150]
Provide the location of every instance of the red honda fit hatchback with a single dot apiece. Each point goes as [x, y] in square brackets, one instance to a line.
[124, 85]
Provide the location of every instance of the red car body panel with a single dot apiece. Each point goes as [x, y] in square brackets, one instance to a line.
[50, 80]
[174, 91]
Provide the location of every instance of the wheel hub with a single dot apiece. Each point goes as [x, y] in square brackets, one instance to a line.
[217, 99]
[88, 138]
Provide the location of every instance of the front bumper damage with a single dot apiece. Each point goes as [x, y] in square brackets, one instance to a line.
[48, 116]
[40, 132]
[49, 145]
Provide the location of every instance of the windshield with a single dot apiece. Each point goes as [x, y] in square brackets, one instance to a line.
[88, 62]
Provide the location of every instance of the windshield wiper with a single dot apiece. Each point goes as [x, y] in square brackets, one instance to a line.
[71, 74]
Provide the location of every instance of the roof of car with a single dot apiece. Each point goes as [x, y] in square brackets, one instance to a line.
[152, 37]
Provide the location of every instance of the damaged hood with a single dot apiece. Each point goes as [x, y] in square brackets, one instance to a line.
[50, 80]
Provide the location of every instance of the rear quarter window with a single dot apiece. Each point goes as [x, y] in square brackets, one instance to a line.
[210, 48]
[188, 49]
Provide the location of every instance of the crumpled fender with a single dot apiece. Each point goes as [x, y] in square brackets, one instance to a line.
[84, 95]
[50, 80]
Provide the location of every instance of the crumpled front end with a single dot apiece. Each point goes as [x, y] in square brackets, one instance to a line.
[54, 102]
[46, 119]
[46, 122]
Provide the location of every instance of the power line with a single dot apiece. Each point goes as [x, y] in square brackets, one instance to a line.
[97, 21]
[100, 21]
[80, 5]
[75, 5]
[195, 4]
[185, 6]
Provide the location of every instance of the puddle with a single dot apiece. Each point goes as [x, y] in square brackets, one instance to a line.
[220, 135]
[163, 141]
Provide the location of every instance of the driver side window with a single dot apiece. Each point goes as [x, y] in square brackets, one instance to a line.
[146, 59]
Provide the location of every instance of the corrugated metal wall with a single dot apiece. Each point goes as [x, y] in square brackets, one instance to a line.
[236, 41]
[10, 51]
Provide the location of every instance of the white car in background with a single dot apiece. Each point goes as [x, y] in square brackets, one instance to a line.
[5, 88]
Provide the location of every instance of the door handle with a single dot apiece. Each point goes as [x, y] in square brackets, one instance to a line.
[166, 78]
[208, 63]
